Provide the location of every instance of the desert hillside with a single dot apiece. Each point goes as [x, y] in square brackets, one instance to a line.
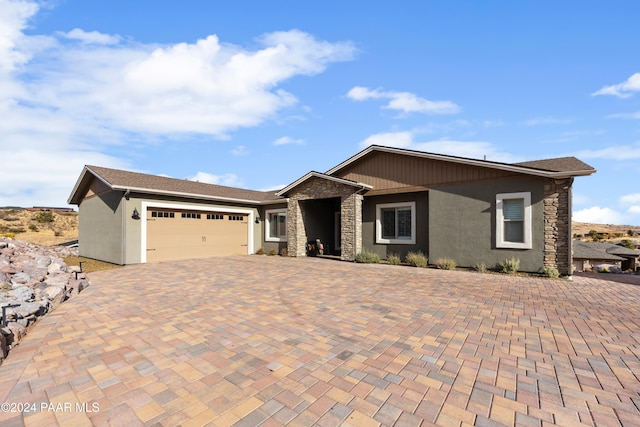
[46, 228]
[606, 232]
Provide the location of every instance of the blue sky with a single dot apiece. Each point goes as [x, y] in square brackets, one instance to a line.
[255, 94]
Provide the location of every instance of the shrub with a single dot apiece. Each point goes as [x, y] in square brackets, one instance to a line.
[9, 235]
[273, 252]
[33, 227]
[510, 266]
[284, 252]
[446, 264]
[630, 233]
[367, 257]
[44, 216]
[551, 272]
[57, 233]
[416, 259]
[260, 251]
[481, 267]
[394, 259]
[16, 230]
[628, 244]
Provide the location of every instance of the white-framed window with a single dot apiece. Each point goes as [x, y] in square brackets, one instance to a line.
[513, 220]
[275, 225]
[396, 223]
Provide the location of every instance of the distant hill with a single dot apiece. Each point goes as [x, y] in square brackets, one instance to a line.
[42, 226]
[610, 232]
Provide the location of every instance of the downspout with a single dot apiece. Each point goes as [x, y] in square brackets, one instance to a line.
[570, 228]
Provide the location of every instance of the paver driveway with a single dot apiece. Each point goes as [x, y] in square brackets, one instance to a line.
[278, 341]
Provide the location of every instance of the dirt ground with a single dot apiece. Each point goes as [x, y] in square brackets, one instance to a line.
[46, 228]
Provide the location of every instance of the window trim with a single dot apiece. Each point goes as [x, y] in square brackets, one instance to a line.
[527, 233]
[267, 225]
[380, 239]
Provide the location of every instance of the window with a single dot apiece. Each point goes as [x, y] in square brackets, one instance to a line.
[513, 220]
[215, 216]
[236, 217]
[276, 225]
[162, 214]
[396, 223]
[191, 215]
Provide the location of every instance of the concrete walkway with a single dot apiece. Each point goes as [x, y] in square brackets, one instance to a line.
[280, 341]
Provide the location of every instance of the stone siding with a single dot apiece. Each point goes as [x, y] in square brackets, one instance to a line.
[557, 225]
[350, 209]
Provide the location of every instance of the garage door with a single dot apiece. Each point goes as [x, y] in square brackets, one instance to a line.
[183, 234]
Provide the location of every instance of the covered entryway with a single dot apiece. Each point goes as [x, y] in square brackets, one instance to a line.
[174, 234]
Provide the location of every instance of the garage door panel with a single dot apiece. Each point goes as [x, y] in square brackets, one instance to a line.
[183, 237]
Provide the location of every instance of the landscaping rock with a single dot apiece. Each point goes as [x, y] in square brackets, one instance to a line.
[35, 279]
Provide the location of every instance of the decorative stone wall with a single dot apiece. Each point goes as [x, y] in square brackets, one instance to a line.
[350, 209]
[557, 224]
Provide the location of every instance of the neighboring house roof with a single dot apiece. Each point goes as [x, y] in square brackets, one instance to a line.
[601, 251]
[314, 174]
[553, 168]
[122, 180]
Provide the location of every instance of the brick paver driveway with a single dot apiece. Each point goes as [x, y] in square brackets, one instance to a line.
[274, 341]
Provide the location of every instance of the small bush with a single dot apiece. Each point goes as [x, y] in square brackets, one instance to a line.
[551, 272]
[446, 264]
[11, 218]
[57, 233]
[630, 233]
[284, 252]
[9, 235]
[33, 227]
[416, 259]
[480, 267]
[44, 216]
[394, 259]
[510, 266]
[367, 257]
[273, 252]
[260, 251]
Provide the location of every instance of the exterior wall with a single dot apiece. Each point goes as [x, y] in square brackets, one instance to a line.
[557, 225]
[350, 208]
[422, 224]
[261, 230]
[462, 223]
[100, 227]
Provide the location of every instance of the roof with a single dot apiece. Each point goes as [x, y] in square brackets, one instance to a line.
[563, 167]
[601, 251]
[153, 184]
[320, 175]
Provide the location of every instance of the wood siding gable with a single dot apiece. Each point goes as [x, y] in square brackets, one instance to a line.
[393, 173]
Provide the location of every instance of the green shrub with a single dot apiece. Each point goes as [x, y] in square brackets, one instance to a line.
[33, 227]
[630, 233]
[260, 251]
[510, 266]
[44, 216]
[446, 264]
[16, 230]
[480, 267]
[416, 259]
[367, 257]
[273, 252]
[394, 259]
[551, 272]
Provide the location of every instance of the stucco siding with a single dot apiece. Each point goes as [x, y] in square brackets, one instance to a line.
[100, 227]
[462, 224]
[421, 200]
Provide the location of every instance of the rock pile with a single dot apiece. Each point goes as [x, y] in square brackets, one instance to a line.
[33, 281]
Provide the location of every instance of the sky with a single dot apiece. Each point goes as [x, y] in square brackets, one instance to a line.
[255, 94]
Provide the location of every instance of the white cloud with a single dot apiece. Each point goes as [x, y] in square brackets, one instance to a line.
[469, 149]
[240, 150]
[622, 90]
[630, 199]
[598, 215]
[286, 140]
[229, 179]
[634, 116]
[403, 101]
[537, 121]
[614, 152]
[86, 90]
[634, 210]
[90, 37]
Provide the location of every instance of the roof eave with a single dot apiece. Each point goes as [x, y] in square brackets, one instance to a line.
[311, 174]
[72, 197]
[189, 195]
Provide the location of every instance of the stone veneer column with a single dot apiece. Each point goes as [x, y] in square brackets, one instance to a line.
[295, 229]
[557, 224]
[351, 227]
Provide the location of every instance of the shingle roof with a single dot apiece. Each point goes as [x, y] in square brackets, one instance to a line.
[134, 181]
[560, 164]
[600, 250]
